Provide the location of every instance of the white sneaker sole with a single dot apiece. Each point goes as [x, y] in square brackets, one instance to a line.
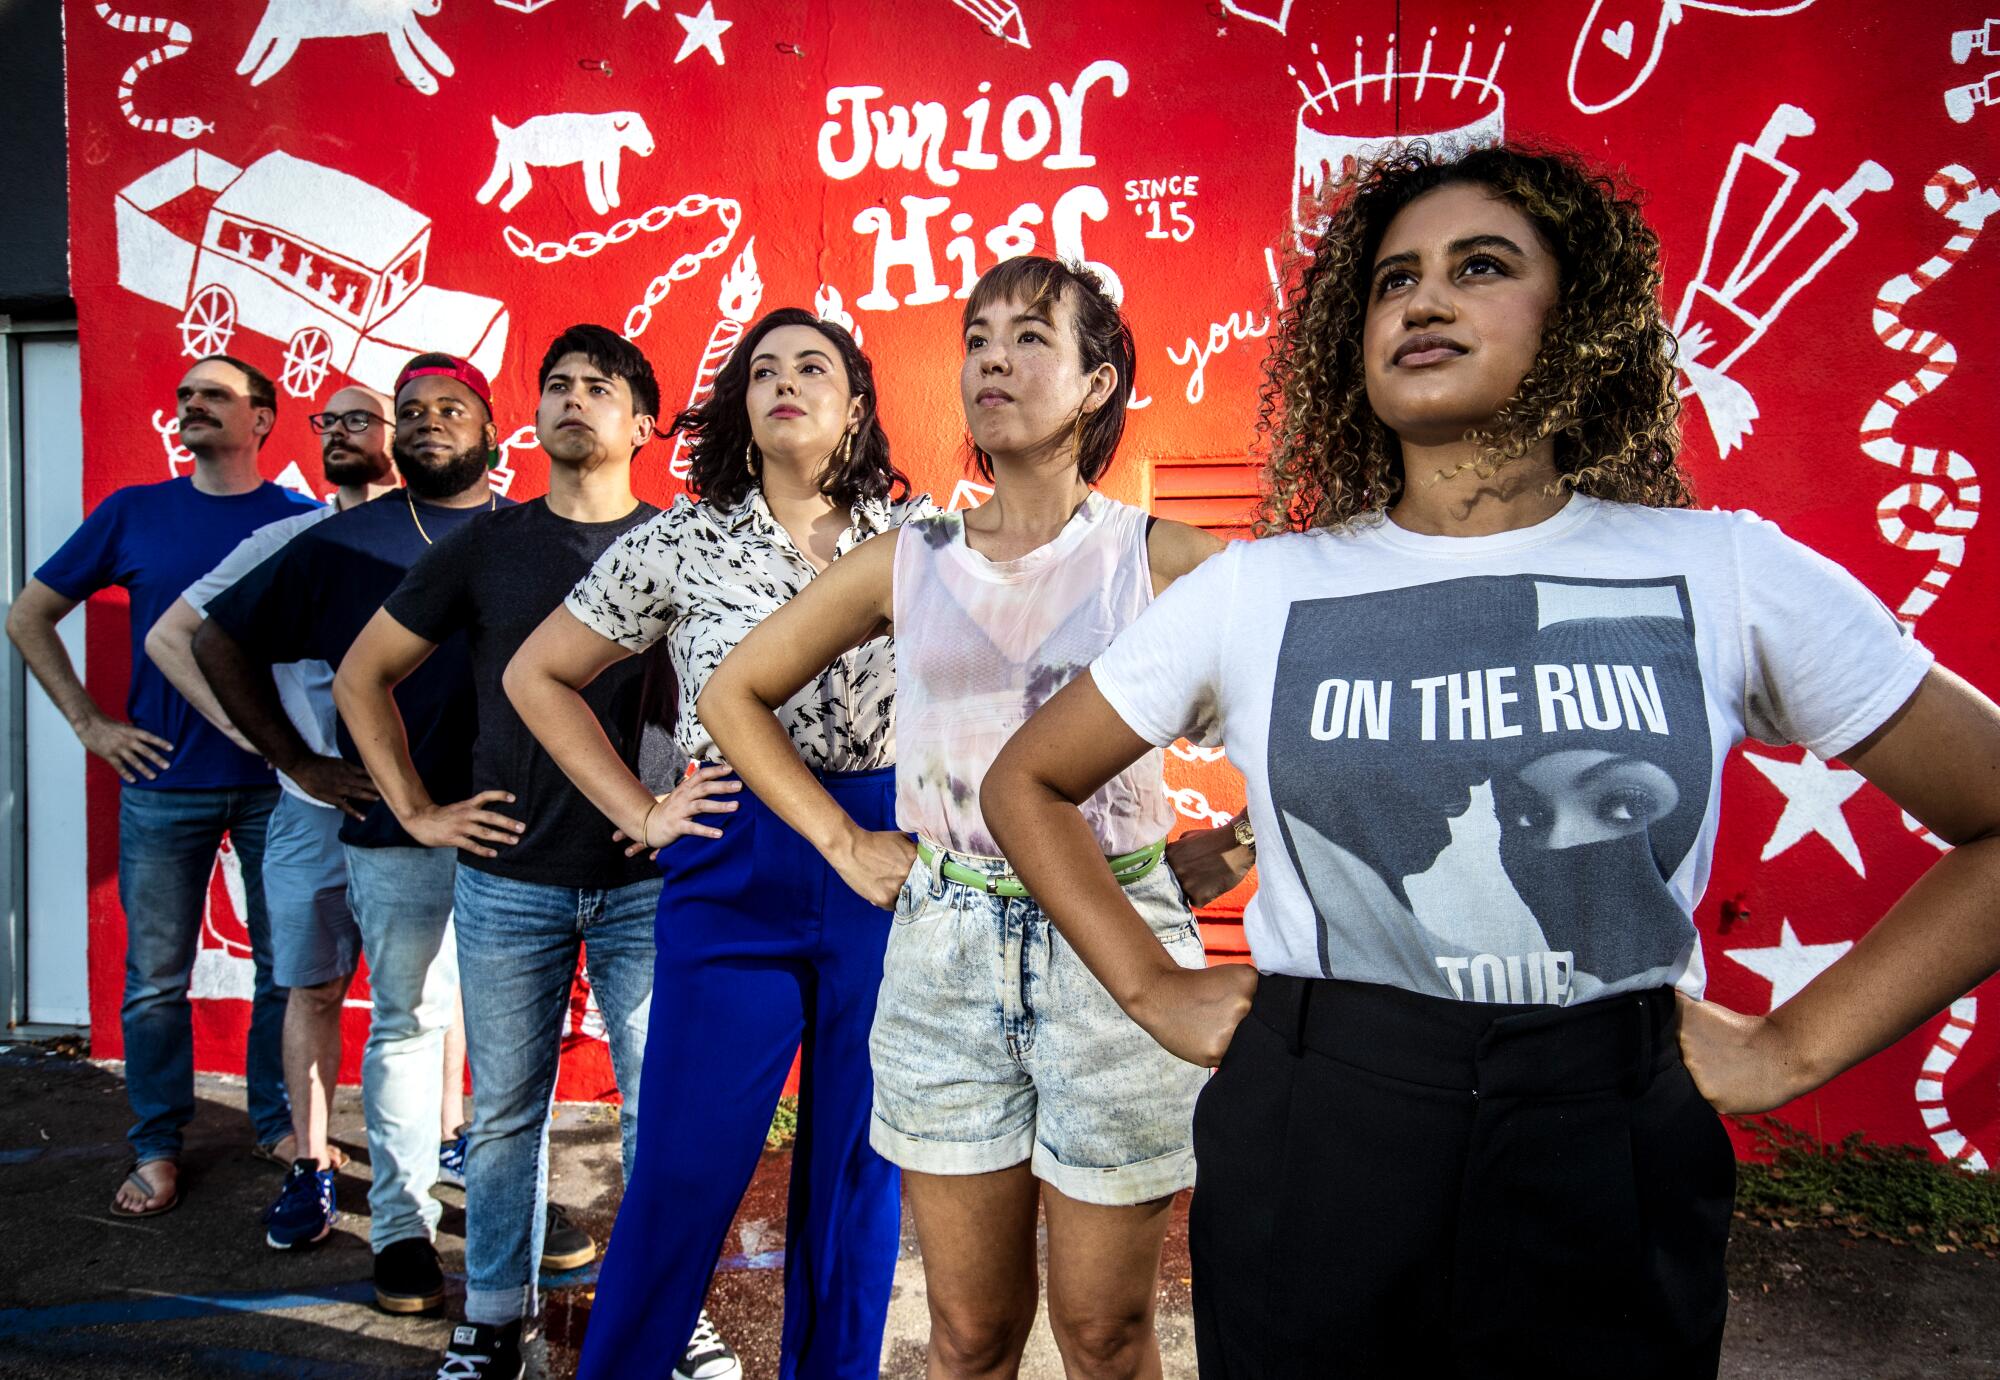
[734, 1371]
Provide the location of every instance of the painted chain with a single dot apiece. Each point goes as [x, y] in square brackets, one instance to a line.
[585, 243]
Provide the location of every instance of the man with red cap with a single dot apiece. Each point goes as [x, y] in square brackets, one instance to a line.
[309, 602]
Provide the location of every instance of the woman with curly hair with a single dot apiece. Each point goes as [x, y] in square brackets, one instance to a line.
[1481, 689]
[761, 946]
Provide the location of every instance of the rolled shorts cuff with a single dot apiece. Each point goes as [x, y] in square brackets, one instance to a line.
[1121, 1185]
[925, 1156]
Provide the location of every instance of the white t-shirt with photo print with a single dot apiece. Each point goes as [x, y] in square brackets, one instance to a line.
[1489, 768]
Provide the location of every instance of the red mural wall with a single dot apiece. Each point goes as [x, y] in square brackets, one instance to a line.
[326, 187]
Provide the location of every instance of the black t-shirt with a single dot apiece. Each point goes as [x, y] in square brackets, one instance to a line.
[311, 599]
[493, 583]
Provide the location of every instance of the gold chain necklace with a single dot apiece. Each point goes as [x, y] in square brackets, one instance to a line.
[491, 505]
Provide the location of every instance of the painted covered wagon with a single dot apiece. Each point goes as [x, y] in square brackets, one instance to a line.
[302, 254]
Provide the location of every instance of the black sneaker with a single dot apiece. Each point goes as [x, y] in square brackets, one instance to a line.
[565, 1245]
[408, 1278]
[708, 1357]
[482, 1351]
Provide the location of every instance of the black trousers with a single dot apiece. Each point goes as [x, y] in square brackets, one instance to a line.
[1395, 1185]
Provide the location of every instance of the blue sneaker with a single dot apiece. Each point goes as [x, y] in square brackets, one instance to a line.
[304, 1211]
[451, 1159]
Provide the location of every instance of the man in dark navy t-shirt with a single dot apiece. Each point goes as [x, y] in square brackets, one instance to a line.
[187, 784]
[308, 602]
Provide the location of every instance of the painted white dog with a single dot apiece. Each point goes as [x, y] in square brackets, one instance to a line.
[287, 23]
[556, 141]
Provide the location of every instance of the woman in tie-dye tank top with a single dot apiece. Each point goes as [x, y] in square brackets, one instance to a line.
[1004, 1072]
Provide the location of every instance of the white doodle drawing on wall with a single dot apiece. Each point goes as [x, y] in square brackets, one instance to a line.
[741, 290]
[1605, 54]
[1343, 124]
[967, 493]
[687, 265]
[911, 249]
[704, 30]
[1746, 278]
[913, 136]
[501, 477]
[1237, 326]
[178, 37]
[1960, 101]
[1262, 14]
[179, 457]
[293, 478]
[302, 254]
[829, 306]
[1929, 1091]
[598, 142]
[223, 968]
[1001, 18]
[288, 23]
[1943, 485]
[524, 6]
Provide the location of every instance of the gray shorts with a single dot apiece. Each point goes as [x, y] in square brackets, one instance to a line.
[994, 1045]
[313, 935]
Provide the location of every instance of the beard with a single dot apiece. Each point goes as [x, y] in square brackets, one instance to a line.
[343, 467]
[440, 480]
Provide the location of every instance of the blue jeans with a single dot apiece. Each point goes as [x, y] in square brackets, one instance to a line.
[401, 898]
[517, 949]
[166, 855]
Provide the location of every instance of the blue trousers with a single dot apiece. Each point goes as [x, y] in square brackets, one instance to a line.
[166, 854]
[761, 947]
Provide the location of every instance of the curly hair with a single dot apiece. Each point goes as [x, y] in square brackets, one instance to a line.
[722, 462]
[1601, 385]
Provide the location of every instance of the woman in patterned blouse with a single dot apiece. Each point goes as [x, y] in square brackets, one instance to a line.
[760, 945]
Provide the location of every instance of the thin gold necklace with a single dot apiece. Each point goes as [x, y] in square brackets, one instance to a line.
[491, 504]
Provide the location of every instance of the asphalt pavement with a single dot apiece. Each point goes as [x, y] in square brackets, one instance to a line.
[196, 1292]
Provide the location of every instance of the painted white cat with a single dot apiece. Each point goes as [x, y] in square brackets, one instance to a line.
[556, 141]
[287, 23]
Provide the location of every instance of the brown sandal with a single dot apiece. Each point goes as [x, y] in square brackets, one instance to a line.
[145, 1186]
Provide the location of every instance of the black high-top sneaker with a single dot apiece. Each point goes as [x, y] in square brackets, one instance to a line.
[483, 1351]
[708, 1357]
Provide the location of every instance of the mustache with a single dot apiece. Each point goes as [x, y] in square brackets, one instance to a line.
[187, 417]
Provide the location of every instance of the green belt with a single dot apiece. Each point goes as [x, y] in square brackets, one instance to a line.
[1128, 868]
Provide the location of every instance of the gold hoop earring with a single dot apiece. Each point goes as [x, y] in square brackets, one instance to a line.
[750, 457]
[845, 451]
[1076, 439]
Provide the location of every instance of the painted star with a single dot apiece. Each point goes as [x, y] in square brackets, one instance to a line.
[704, 30]
[630, 5]
[1814, 796]
[1789, 965]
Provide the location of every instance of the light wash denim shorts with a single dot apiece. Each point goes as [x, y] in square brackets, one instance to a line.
[994, 1045]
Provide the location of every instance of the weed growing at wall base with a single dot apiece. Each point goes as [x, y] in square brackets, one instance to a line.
[1893, 1192]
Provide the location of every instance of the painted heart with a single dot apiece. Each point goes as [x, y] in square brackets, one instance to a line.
[1618, 40]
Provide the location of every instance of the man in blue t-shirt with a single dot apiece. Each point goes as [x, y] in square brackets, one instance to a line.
[187, 784]
[308, 602]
